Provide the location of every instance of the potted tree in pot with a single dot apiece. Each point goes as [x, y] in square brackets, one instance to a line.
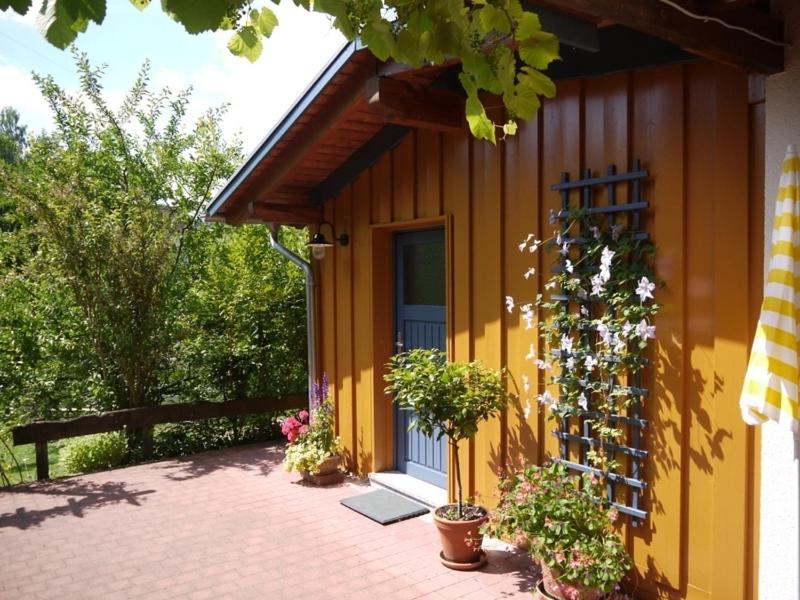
[449, 399]
[313, 448]
[567, 526]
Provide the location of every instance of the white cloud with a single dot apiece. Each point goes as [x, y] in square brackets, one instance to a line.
[258, 93]
[20, 91]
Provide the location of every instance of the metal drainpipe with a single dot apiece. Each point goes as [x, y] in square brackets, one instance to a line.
[311, 306]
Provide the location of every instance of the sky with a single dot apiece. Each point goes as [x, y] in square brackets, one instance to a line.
[258, 93]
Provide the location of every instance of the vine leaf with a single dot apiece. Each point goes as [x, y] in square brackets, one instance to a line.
[264, 21]
[60, 21]
[18, 6]
[480, 124]
[377, 35]
[197, 15]
[246, 42]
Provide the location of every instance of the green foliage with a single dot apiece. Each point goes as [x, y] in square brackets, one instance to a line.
[243, 317]
[115, 293]
[180, 439]
[114, 198]
[565, 522]
[502, 47]
[13, 136]
[448, 398]
[94, 452]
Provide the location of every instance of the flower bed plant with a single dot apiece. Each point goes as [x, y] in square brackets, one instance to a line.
[310, 436]
[566, 523]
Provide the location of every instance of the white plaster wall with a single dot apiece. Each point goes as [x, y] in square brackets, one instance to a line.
[779, 553]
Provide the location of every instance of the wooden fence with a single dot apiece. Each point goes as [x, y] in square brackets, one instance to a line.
[42, 432]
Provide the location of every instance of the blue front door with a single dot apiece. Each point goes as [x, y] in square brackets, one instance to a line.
[420, 323]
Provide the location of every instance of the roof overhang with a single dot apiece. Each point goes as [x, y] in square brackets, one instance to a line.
[358, 107]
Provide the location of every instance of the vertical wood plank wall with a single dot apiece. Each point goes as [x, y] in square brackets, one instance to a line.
[692, 127]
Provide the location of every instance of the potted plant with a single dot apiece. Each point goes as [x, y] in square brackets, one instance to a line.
[313, 448]
[449, 399]
[568, 527]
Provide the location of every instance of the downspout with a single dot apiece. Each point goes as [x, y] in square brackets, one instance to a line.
[311, 307]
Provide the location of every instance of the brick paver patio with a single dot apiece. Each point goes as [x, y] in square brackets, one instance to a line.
[227, 524]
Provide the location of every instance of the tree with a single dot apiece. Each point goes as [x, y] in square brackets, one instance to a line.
[13, 138]
[116, 197]
[243, 317]
[502, 47]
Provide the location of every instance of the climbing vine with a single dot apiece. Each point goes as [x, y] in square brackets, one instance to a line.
[595, 323]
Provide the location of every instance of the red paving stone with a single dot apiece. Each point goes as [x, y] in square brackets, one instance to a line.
[227, 524]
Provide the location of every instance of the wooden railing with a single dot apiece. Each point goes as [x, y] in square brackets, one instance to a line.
[42, 432]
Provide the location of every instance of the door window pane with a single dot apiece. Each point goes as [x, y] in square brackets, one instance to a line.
[423, 274]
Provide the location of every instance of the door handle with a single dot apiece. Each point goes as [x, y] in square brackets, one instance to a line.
[399, 343]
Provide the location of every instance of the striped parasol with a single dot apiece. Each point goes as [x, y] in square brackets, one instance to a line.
[770, 385]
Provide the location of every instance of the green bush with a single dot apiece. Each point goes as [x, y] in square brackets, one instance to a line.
[180, 439]
[94, 452]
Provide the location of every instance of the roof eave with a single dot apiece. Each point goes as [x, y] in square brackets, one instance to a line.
[324, 77]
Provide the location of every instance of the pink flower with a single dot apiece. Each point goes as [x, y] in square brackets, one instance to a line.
[303, 429]
[303, 415]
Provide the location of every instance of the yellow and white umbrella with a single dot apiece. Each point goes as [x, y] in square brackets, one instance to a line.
[770, 385]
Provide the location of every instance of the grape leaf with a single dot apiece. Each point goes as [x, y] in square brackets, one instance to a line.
[527, 26]
[539, 50]
[264, 21]
[197, 16]
[493, 19]
[480, 124]
[60, 21]
[18, 6]
[377, 34]
[246, 42]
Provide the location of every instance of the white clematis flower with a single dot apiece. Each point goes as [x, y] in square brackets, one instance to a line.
[645, 331]
[645, 289]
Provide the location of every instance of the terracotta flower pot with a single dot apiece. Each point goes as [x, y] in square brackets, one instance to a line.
[461, 541]
[560, 590]
[329, 472]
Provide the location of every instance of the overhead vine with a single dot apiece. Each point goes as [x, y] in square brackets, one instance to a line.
[502, 48]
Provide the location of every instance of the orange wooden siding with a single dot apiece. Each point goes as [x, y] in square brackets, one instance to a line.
[692, 127]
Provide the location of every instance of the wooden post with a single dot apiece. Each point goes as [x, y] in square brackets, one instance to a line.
[42, 463]
[147, 441]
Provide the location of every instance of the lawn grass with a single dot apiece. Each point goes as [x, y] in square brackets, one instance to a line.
[26, 456]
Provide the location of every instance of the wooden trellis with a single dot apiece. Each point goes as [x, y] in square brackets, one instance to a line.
[582, 191]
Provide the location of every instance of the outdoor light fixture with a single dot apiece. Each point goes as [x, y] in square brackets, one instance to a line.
[319, 242]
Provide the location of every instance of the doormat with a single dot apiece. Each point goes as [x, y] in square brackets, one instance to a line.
[384, 506]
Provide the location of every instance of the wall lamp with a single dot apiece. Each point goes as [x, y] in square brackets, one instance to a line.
[319, 242]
